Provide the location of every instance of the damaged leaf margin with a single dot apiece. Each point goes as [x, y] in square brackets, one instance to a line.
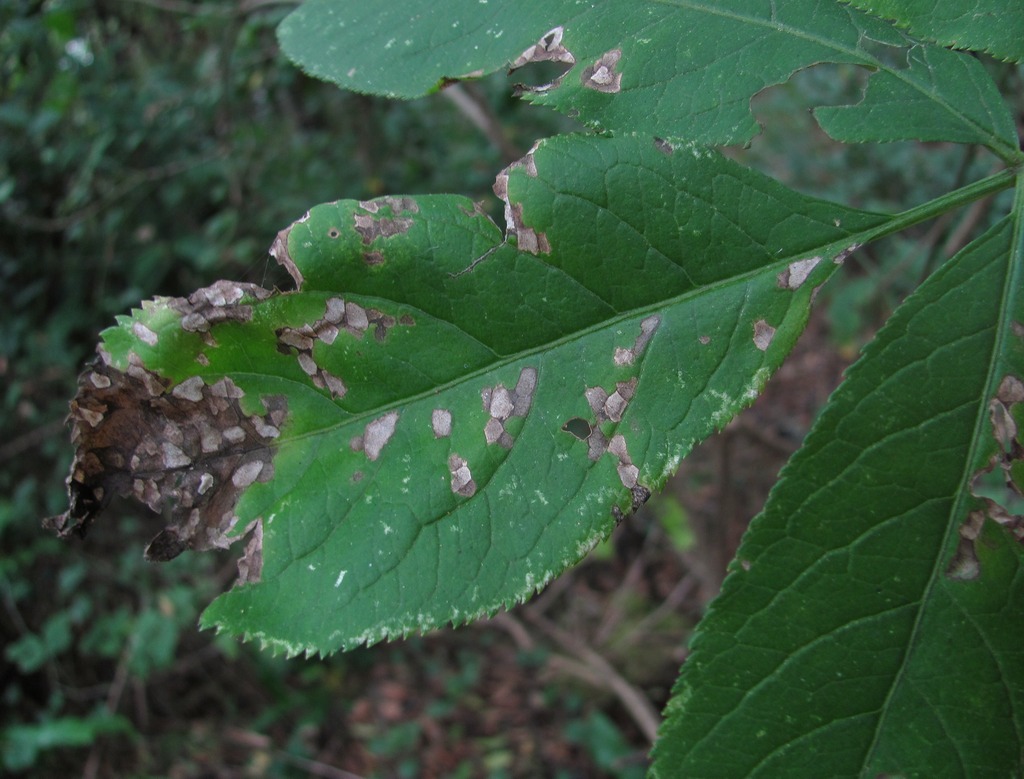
[187, 450]
[361, 473]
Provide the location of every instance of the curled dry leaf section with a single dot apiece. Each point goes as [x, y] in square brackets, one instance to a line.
[527, 239]
[550, 48]
[1006, 466]
[187, 451]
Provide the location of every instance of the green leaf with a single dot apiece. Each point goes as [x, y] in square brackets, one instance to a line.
[993, 26]
[910, 104]
[437, 423]
[872, 623]
[679, 72]
[21, 745]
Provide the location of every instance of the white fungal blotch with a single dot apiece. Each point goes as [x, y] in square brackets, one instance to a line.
[763, 334]
[307, 364]
[99, 381]
[333, 383]
[796, 274]
[704, 340]
[502, 404]
[144, 334]
[246, 473]
[335, 310]
[190, 389]
[965, 565]
[264, 429]
[356, 318]
[173, 457]
[378, 433]
[610, 408]
[602, 76]
[648, 327]
[462, 477]
[441, 422]
[225, 388]
[494, 430]
[1011, 390]
[206, 481]
[629, 474]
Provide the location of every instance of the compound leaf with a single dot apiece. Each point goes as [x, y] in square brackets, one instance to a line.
[993, 26]
[681, 72]
[438, 421]
[871, 625]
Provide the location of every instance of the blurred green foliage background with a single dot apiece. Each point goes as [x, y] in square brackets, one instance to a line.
[149, 147]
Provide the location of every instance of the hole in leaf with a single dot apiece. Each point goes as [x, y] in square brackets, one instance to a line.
[578, 427]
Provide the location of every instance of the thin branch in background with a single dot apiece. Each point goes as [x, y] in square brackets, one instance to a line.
[473, 106]
[149, 175]
[603, 674]
[684, 588]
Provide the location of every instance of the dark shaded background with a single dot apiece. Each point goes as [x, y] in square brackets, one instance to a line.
[148, 147]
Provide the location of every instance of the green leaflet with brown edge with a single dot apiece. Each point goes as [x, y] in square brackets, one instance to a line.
[452, 420]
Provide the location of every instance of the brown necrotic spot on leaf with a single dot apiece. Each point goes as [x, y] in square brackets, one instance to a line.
[187, 451]
[462, 478]
[372, 224]
[373, 258]
[602, 76]
[597, 444]
[796, 274]
[220, 302]
[763, 334]
[441, 422]
[610, 408]
[381, 322]
[396, 204]
[664, 147]
[648, 327]
[301, 340]
[1011, 390]
[840, 258]
[378, 433]
[502, 404]
[965, 565]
